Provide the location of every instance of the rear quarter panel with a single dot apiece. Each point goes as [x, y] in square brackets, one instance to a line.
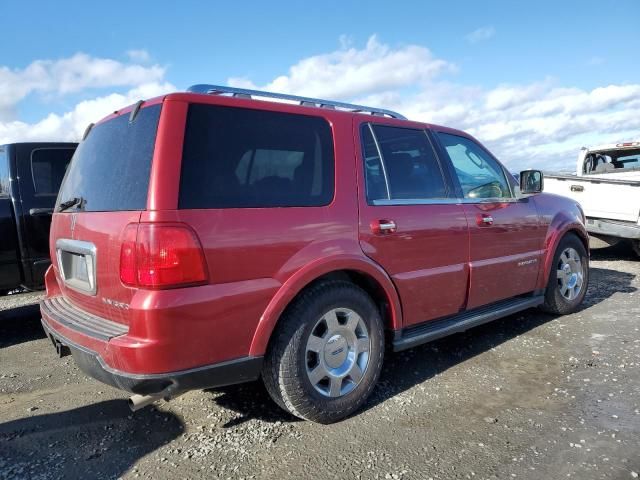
[262, 257]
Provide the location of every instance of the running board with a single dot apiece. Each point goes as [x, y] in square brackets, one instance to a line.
[432, 330]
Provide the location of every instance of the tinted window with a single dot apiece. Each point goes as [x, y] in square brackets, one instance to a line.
[110, 169]
[237, 157]
[373, 169]
[48, 166]
[411, 167]
[479, 174]
[4, 173]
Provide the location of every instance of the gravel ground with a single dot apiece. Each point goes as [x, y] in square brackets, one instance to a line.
[530, 396]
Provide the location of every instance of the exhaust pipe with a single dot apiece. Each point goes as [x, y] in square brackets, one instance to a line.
[136, 402]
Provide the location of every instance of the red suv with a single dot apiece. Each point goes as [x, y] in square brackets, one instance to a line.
[211, 237]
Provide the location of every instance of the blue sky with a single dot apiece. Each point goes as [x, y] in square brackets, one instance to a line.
[469, 55]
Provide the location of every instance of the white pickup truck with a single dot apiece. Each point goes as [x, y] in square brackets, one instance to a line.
[607, 186]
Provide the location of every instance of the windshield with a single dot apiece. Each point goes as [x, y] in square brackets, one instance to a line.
[110, 169]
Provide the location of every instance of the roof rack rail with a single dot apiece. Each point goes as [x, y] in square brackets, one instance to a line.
[305, 101]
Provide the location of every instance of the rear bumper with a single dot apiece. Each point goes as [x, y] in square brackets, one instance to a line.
[612, 228]
[220, 374]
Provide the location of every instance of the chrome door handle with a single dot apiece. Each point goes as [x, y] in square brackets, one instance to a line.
[484, 220]
[577, 188]
[383, 226]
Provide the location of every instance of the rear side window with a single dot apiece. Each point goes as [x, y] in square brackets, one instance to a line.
[48, 166]
[4, 173]
[236, 157]
[110, 169]
[408, 170]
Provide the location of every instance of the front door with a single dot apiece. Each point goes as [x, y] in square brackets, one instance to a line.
[410, 221]
[506, 235]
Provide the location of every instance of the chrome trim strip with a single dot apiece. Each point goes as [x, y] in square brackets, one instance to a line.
[305, 101]
[384, 168]
[89, 251]
[442, 201]
[489, 200]
[417, 201]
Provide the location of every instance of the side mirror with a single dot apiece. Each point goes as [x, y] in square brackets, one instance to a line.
[531, 181]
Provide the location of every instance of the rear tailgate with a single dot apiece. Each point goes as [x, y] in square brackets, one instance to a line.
[108, 179]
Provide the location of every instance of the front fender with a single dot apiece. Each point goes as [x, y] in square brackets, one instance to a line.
[303, 277]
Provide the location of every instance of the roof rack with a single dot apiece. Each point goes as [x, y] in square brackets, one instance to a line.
[306, 101]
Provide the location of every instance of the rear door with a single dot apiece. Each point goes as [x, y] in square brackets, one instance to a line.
[9, 263]
[410, 221]
[40, 172]
[109, 177]
[506, 235]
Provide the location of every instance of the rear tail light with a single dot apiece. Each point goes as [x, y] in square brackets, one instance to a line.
[161, 256]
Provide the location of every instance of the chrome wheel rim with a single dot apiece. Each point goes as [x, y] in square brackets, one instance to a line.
[337, 352]
[570, 274]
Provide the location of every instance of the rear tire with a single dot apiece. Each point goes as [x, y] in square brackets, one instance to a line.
[569, 277]
[635, 244]
[326, 353]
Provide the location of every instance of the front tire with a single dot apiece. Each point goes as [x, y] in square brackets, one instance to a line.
[326, 353]
[635, 245]
[569, 277]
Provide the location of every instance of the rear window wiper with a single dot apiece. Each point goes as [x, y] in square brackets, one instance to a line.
[70, 203]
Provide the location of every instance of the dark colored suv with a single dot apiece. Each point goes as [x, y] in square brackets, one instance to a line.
[209, 238]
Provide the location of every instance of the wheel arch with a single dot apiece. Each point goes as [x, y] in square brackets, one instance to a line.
[561, 226]
[362, 272]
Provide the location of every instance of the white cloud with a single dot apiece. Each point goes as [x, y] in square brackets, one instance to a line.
[480, 34]
[69, 75]
[349, 72]
[541, 123]
[141, 55]
[78, 73]
[69, 126]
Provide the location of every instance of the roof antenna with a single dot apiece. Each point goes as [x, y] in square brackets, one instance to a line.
[135, 111]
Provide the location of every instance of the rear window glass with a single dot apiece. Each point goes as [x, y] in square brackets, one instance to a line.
[48, 166]
[612, 161]
[236, 157]
[110, 169]
[628, 161]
